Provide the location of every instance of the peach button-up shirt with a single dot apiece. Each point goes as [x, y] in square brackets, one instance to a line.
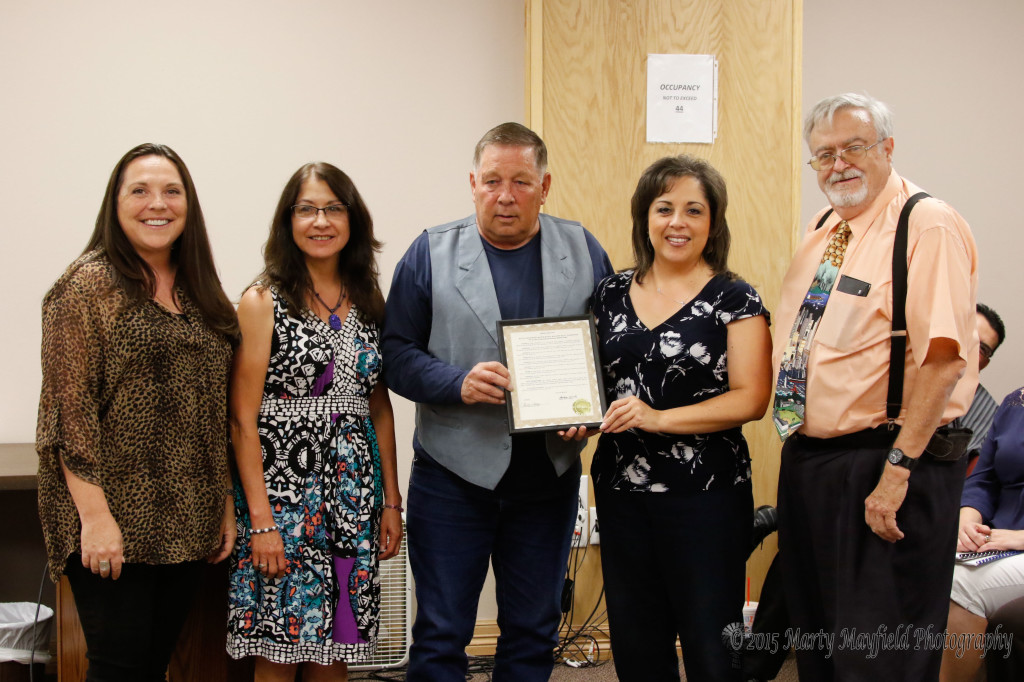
[848, 367]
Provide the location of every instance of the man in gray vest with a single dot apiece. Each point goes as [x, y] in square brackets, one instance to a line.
[477, 494]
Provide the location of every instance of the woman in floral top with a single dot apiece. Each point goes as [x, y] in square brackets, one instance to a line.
[686, 356]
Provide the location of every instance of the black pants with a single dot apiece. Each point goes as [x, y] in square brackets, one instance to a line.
[131, 624]
[883, 604]
[766, 652]
[674, 565]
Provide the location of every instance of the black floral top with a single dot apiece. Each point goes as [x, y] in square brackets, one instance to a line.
[680, 362]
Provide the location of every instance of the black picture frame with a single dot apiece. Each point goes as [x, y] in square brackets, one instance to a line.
[563, 406]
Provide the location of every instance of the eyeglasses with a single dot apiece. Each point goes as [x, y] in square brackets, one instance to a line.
[308, 212]
[986, 351]
[849, 155]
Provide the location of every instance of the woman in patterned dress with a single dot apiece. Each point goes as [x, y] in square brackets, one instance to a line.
[686, 358]
[132, 432]
[313, 434]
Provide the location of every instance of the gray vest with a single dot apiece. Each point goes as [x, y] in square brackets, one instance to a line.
[472, 441]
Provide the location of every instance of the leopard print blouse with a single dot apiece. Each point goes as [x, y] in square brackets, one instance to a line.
[134, 400]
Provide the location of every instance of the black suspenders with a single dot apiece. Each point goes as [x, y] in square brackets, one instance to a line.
[898, 336]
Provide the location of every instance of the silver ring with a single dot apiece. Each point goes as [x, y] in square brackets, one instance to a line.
[104, 565]
[262, 565]
[987, 538]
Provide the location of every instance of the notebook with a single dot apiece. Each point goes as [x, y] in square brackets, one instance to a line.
[979, 558]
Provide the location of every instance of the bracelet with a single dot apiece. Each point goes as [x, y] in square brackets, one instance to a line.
[397, 507]
[261, 531]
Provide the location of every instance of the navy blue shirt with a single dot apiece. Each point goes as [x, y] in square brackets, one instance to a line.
[419, 376]
[996, 486]
[516, 273]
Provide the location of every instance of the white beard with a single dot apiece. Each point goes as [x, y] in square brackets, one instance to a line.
[845, 198]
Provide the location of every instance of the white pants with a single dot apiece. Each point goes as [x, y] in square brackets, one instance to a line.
[983, 589]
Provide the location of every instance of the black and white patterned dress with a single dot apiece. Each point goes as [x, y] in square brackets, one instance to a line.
[321, 465]
[680, 362]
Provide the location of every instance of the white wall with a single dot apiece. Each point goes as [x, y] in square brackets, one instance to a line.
[395, 93]
[950, 71]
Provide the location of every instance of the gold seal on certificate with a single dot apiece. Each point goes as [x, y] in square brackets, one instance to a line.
[556, 378]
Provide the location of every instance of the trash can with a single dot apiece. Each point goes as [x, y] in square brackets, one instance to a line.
[20, 633]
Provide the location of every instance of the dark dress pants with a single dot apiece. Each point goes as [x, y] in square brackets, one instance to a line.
[766, 652]
[885, 603]
[131, 624]
[454, 529]
[674, 565]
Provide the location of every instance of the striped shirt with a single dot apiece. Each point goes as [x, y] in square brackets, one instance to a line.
[978, 418]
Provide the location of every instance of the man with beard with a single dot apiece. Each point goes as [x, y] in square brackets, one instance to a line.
[868, 513]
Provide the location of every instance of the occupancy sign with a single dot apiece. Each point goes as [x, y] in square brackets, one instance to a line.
[682, 98]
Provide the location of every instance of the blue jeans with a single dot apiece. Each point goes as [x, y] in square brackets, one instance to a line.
[454, 527]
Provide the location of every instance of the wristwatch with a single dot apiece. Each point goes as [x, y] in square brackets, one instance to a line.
[898, 458]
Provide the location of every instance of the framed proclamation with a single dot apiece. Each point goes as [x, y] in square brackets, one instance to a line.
[556, 375]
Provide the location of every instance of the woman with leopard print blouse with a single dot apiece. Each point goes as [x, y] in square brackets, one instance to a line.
[132, 432]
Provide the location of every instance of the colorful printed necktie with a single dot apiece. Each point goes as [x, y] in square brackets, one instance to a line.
[791, 388]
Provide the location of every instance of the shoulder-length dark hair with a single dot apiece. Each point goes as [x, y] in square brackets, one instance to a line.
[190, 253]
[657, 180]
[285, 264]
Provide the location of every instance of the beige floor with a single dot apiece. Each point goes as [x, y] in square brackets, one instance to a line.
[563, 673]
[606, 673]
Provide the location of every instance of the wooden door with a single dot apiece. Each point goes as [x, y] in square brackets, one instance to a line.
[586, 89]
